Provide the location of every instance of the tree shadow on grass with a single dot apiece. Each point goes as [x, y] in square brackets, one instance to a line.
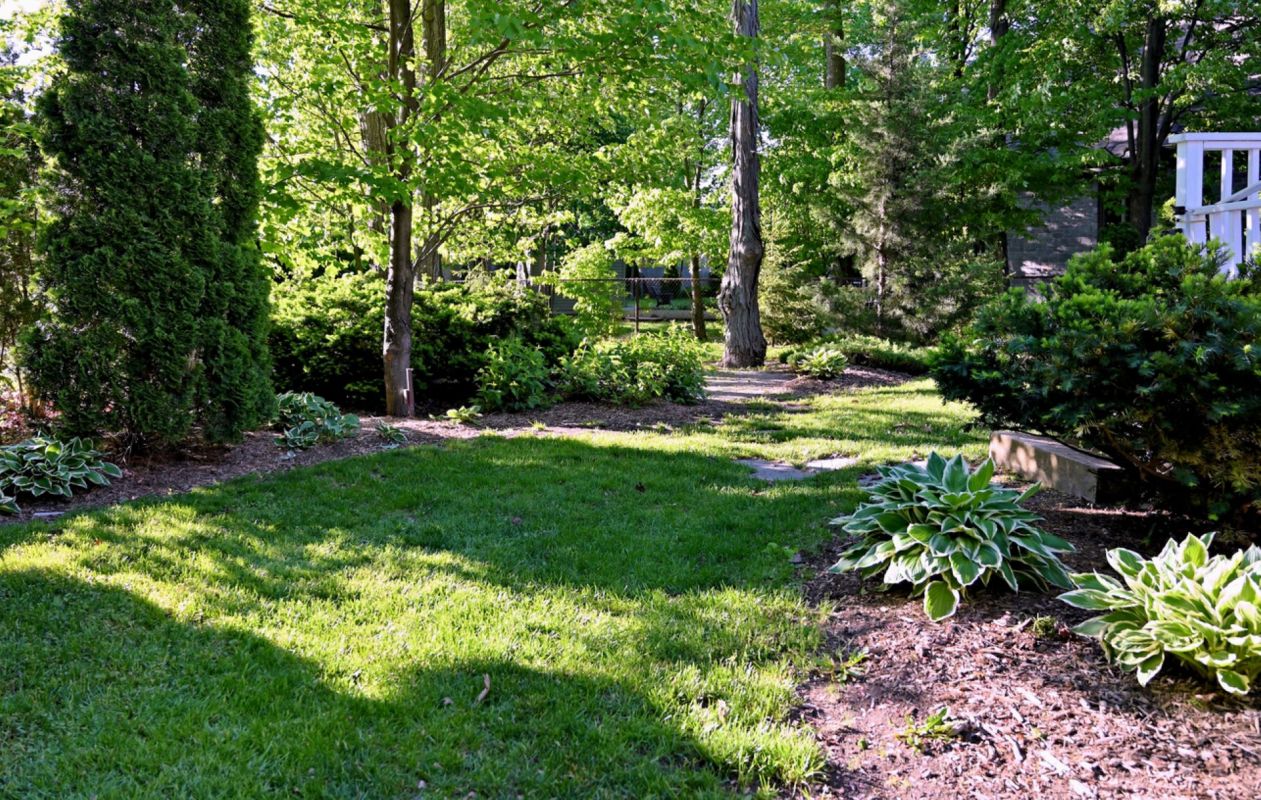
[106, 695]
[614, 594]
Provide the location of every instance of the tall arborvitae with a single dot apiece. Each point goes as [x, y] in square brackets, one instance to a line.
[236, 390]
[157, 302]
[117, 351]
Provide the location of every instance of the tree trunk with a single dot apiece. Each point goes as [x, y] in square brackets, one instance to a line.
[400, 284]
[745, 346]
[1148, 140]
[1000, 24]
[698, 301]
[434, 21]
[400, 290]
[834, 48]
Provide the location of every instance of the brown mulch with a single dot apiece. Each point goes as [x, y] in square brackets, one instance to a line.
[175, 473]
[1040, 715]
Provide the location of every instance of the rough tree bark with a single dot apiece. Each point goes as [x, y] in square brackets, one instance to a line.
[434, 18]
[1148, 141]
[400, 282]
[834, 48]
[745, 346]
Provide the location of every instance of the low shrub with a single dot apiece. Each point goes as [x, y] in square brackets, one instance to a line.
[1203, 611]
[44, 466]
[1153, 359]
[870, 351]
[326, 336]
[822, 362]
[305, 420]
[943, 529]
[667, 365]
[514, 377]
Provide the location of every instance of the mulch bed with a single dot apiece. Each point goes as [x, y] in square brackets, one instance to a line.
[1041, 715]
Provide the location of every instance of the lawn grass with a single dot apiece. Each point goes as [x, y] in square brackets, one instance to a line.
[326, 633]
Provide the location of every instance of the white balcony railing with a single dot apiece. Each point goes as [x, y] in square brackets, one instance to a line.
[1235, 217]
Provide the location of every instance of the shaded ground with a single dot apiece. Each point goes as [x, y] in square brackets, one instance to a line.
[732, 393]
[1041, 713]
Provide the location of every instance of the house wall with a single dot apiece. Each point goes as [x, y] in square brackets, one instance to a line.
[1067, 230]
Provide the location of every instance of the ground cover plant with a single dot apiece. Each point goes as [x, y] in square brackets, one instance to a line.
[868, 351]
[305, 420]
[943, 528]
[1202, 611]
[822, 362]
[668, 364]
[45, 466]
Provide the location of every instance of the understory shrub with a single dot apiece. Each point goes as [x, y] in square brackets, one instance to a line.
[871, 351]
[327, 332]
[823, 362]
[1153, 359]
[305, 420]
[1203, 611]
[667, 365]
[514, 377]
[943, 529]
[45, 466]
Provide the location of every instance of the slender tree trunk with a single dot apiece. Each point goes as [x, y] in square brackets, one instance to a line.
[1148, 140]
[1000, 24]
[698, 301]
[434, 21]
[401, 278]
[745, 346]
[834, 48]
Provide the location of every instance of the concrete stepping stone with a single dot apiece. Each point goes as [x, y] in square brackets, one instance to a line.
[833, 464]
[774, 470]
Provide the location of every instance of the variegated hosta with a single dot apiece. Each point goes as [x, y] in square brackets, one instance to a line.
[943, 529]
[1205, 612]
[45, 466]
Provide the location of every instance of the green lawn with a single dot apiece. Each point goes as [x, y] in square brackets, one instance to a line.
[325, 632]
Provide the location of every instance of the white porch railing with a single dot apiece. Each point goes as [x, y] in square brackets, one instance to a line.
[1235, 218]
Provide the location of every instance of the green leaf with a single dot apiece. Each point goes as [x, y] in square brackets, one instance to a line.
[981, 478]
[940, 601]
[1233, 682]
[1149, 668]
[964, 569]
[1088, 599]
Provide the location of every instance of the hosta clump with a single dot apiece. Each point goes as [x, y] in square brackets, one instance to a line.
[44, 466]
[305, 420]
[1202, 611]
[943, 529]
[822, 362]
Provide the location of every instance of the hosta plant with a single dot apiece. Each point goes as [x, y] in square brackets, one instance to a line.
[1202, 611]
[44, 466]
[943, 529]
[305, 420]
[823, 362]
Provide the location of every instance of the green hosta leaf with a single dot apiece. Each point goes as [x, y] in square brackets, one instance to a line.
[1149, 668]
[982, 477]
[955, 477]
[1092, 628]
[1089, 599]
[965, 570]
[1126, 562]
[1233, 682]
[940, 601]
[936, 467]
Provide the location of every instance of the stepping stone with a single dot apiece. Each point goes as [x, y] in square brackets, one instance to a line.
[832, 464]
[774, 470]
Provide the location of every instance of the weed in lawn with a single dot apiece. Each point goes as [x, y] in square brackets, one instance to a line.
[1046, 627]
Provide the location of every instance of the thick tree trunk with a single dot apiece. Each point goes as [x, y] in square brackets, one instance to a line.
[745, 346]
[1148, 140]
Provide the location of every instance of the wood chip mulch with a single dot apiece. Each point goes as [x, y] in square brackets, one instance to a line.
[1039, 712]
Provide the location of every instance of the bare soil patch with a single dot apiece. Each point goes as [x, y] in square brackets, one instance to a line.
[1041, 714]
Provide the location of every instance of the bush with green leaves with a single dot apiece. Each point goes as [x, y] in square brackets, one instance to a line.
[667, 365]
[515, 377]
[822, 362]
[871, 351]
[1153, 359]
[943, 529]
[44, 466]
[305, 420]
[326, 335]
[1204, 611]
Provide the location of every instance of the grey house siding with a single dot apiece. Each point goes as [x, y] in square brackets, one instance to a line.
[1044, 251]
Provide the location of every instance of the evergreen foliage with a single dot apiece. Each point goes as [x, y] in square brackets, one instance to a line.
[156, 303]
